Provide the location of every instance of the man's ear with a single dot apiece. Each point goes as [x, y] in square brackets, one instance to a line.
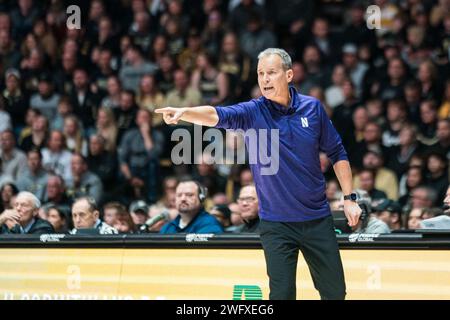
[96, 214]
[289, 75]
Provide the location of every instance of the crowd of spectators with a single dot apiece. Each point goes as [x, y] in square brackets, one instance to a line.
[77, 105]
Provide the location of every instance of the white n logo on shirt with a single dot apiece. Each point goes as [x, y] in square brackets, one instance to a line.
[304, 122]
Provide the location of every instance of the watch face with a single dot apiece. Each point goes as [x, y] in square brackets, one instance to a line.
[353, 196]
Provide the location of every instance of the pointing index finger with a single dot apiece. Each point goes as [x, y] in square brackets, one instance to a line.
[162, 110]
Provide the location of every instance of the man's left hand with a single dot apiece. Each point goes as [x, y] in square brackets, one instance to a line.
[352, 212]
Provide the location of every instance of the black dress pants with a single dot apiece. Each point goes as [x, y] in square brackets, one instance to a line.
[316, 240]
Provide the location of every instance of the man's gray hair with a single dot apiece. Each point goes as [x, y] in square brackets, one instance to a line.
[36, 201]
[92, 204]
[285, 57]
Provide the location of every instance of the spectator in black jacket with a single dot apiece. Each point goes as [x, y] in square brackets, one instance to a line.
[85, 102]
[103, 163]
[126, 113]
[23, 218]
[437, 178]
[16, 102]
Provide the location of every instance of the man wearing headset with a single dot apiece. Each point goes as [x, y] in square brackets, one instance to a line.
[192, 217]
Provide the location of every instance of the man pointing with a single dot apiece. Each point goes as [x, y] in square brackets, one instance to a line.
[293, 208]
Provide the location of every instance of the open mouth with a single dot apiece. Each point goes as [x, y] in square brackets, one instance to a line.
[268, 89]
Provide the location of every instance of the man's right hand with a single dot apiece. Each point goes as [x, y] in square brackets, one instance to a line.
[10, 217]
[171, 115]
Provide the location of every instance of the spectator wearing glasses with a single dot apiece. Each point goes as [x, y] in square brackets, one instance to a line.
[248, 207]
[23, 218]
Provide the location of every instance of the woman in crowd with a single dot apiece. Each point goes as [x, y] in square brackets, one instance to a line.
[107, 128]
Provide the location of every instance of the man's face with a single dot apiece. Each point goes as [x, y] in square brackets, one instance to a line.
[69, 61]
[126, 101]
[180, 80]
[105, 59]
[395, 69]
[443, 130]
[420, 199]
[56, 141]
[7, 141]
[427, 113]
[435, 164]
[360, 118]
[45, 88]
[311, 56]
[25, 207]
[80, 79]
[95, 146]
[371, 133]
[34, 161]
[320, 28]
[4, 39]
[371, 161]
[366, 181]
[248, 203]
[187, 200]
[54, 188]
[78, 166]
[414, 177]
[143, 117]
[406, 136]
[82, 216]
[246, 178]
[411, 94]
[273, 80]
